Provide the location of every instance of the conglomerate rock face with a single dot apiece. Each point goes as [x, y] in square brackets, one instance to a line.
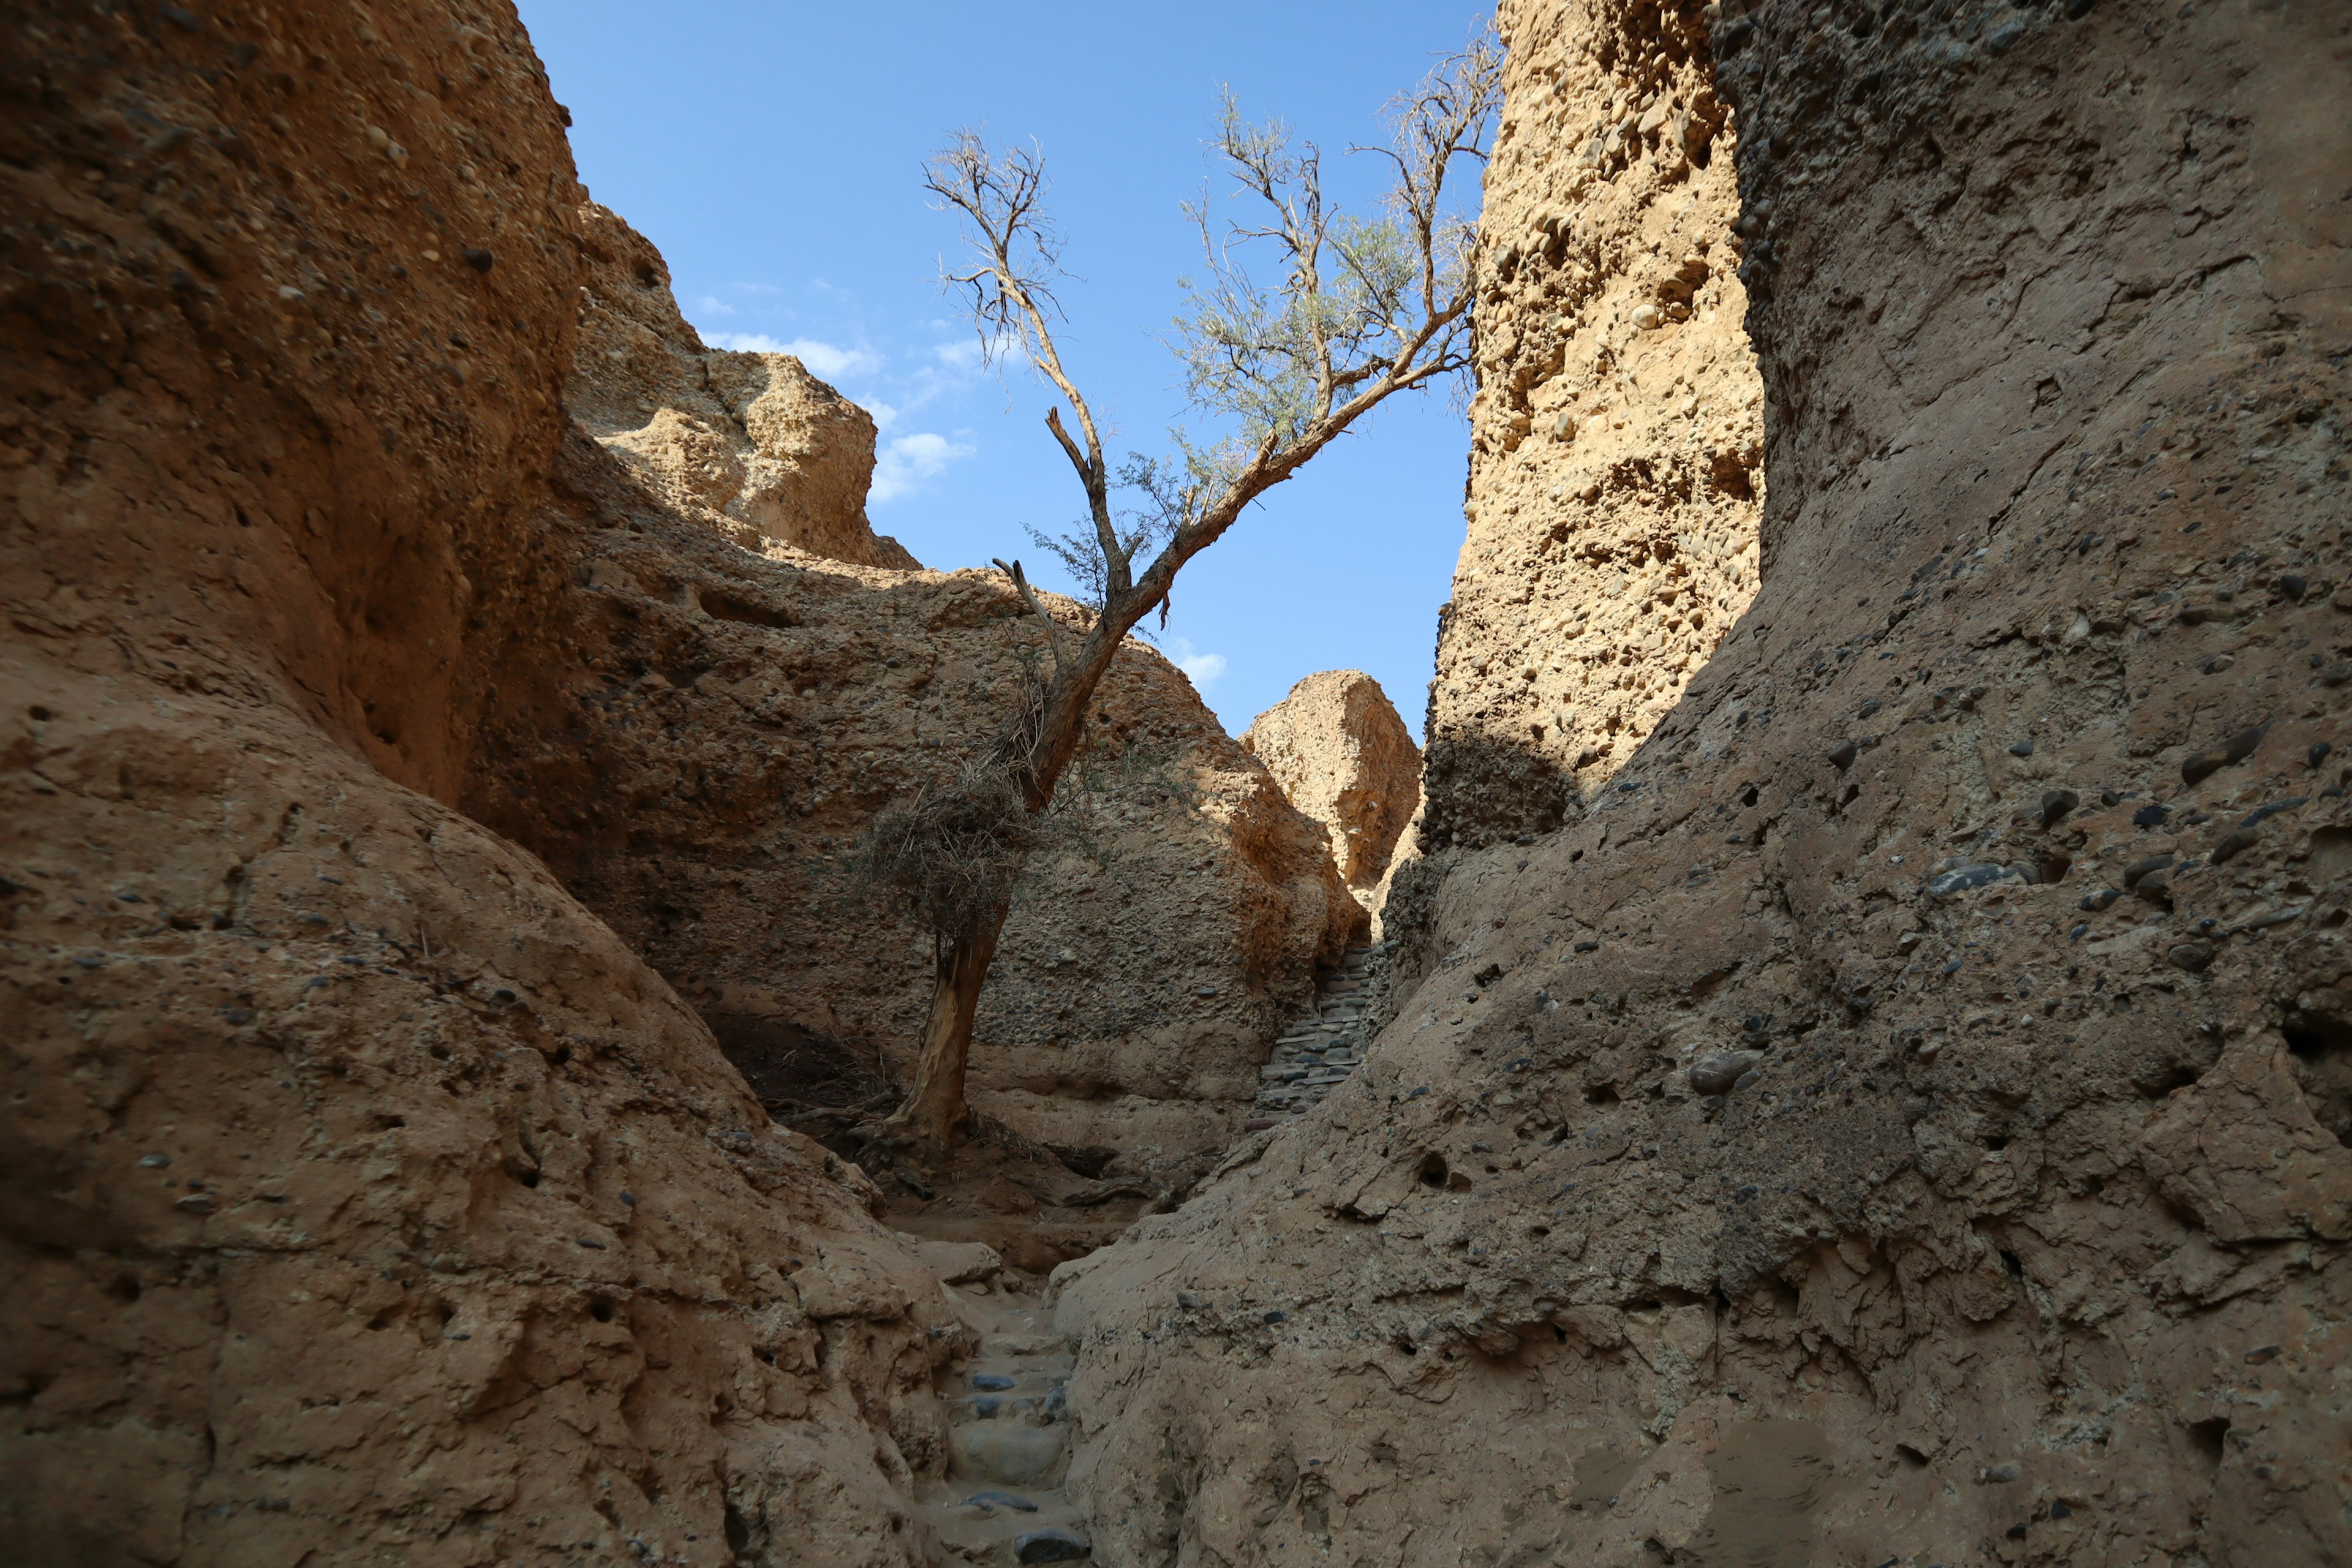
[1342, 755]
[750, 443]
[1904, 1118]
[363, 1196]
[1616, 469]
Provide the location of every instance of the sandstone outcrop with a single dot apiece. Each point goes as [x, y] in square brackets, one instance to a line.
[1342, 755]
[750, 443]
[1616, 466]
[363, 1196]
[1901, 1118]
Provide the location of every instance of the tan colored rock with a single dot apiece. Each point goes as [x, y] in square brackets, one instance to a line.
[1618, 441]
[727, 714]
[1342, 755]
[364, 1197]
[698, 765]
[2028, 1238]
[750, 443]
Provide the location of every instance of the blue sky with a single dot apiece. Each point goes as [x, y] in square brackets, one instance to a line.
[774, 154]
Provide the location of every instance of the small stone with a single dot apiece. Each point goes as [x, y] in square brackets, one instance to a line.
[2336, 675]
[1967, 878]
[1277, 1316]
[2150, 816]
[2318, 754]
[2056, 805]
[2263, 814]
[2139, 870]
[2264, 1353]
[2077, 934]
[1721, 1072]
[2236, 843]
[2103, 898]
[1996, 1475]
[986, 1406]
[1055, 1545]
[991, 1382]
[2236, 749]
[1256, 1124]
[2155, 888]
[479, 260]
[153, 1161]
[2022, 749]
[1844, 756]
[1588, 947]
[1646, 317]
[1001, 1499]
[2193, 956]
[2293, 586]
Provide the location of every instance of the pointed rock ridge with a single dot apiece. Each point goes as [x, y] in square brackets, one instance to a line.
[1340, 751]
[750, 443]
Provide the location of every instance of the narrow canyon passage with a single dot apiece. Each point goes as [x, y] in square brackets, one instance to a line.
[1839, 1054]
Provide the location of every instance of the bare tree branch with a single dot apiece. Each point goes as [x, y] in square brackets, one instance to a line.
[1029, 597]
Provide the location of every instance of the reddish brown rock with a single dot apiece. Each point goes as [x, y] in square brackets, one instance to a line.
[1342, 755]
[2019, 1230]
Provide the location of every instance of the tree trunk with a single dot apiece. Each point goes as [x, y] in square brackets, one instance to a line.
[934, 1112]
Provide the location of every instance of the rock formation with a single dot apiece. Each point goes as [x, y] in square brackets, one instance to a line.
[1902, 1116]
[697, 758]
[1616, 469]
[365, 1196]
[1892, 1100]
[750, 443]
[1342, 756]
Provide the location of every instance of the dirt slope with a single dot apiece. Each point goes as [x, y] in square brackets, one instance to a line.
[1908, 1121]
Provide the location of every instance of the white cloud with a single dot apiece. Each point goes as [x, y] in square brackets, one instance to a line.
[1203, 667]
[755, 288]
[905, 462]
[713, 305]
[823, 359]
[964, 355]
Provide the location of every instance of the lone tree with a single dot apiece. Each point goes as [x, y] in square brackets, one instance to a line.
[1366, 308]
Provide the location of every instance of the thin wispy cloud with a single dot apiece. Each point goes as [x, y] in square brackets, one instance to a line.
[712, 305]
[905, 463]
[1205, 669]
[824, 359]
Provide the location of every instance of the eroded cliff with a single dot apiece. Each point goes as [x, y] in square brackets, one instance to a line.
[364, 1195]
[696, 749]
[1901, 1118]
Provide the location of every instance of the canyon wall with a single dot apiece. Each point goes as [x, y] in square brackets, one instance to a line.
[1617, 455]
[696, 747]
[1903, 1116]
[364, 1195]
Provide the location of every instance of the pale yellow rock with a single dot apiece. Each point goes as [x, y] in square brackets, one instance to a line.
[1342, 755]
